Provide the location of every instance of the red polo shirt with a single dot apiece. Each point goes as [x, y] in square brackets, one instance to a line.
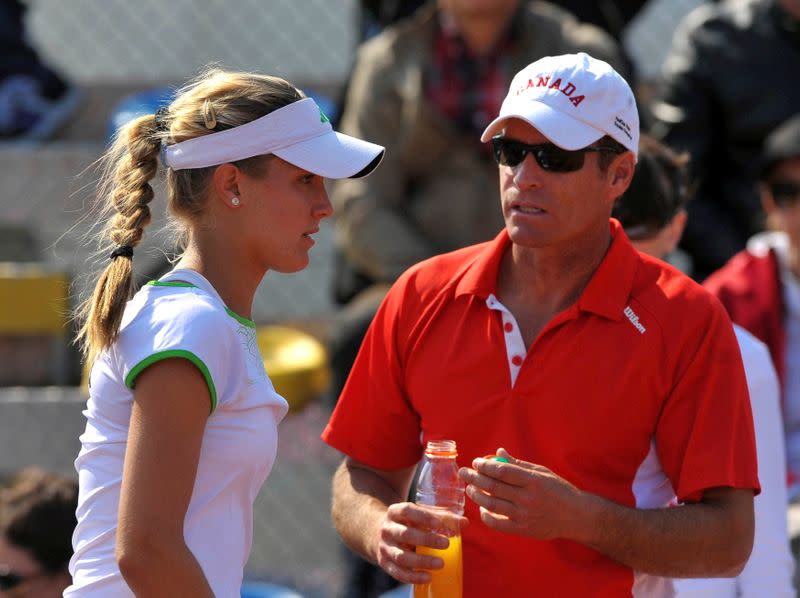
[635, 393]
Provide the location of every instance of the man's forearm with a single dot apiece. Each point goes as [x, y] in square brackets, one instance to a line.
[709, 539]
[360, 500]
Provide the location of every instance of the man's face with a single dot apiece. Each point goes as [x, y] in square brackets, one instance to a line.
[33, 581]
[792, 7]
[546, 209]
[782, 198]
[474, 9]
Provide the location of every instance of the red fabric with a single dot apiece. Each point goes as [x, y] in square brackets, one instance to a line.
[592, 395]
[749, 287]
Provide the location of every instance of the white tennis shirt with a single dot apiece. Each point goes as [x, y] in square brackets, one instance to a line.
[180, 315]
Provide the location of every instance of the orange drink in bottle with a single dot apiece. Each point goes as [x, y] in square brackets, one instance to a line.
[440, 490]
[446, 582]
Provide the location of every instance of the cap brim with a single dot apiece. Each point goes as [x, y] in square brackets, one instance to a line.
[334, 155]
[560, 128]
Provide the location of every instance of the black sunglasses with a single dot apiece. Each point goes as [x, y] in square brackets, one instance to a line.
[508, 152]
[785, 192]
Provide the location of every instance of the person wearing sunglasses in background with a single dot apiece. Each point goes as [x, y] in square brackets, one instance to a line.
[610, 382]
[760, 286]
[37, 518]
[653, 214]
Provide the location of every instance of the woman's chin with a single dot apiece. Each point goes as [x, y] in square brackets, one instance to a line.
[291, 267]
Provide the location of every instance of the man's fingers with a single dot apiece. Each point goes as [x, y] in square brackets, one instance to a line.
[419, 517]
[514, 473]
[497, 521]
[408, 566]
[402, 535]
[494, 476]
[491, 502]
[406, 528]
[404, 574]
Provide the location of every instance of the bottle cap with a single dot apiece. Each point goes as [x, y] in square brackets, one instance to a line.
[441, 448]
[496, 458]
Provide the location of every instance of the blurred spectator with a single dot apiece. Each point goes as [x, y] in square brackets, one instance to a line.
[37, 518]
[729, 79]
[34, 100]
[610, 15]
[760, 286]
[426, 88]
[653, 215]
[376, 15]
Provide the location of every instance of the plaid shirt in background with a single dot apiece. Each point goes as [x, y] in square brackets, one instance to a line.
[467, 89]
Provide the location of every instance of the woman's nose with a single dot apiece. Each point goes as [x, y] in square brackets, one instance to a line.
[323, 206]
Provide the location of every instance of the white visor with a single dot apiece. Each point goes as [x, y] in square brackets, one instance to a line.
[298, 133]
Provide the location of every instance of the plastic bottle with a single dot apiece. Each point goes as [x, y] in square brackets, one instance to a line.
[439, 489]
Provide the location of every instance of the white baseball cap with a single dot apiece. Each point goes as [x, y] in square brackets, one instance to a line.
[298, 133]
[573, 100]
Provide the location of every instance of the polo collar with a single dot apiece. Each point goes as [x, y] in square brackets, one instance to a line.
[480, 277]
[609, 289]
[607, 293]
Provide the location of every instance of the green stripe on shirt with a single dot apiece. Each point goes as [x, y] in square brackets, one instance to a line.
[130, 379]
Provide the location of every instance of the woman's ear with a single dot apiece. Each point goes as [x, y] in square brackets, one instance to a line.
[225, 184]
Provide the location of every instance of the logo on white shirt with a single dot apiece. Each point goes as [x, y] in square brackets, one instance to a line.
[634, 319]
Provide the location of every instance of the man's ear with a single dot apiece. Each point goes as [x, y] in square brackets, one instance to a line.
[774, 215]
[620, 173]
[676, 227]
[767, 201]
[225, 183]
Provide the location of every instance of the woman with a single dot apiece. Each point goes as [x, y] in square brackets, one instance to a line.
[181, 420]
[37, 518]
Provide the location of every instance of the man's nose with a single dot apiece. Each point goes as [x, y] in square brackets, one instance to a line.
[528, 173]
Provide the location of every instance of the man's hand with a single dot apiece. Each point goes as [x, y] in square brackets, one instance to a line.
[523, 498]
[710, 538]
[406, 526]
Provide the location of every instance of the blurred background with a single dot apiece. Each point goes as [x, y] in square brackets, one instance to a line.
[116, 58]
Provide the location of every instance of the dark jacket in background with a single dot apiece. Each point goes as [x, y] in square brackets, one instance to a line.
[729, 79]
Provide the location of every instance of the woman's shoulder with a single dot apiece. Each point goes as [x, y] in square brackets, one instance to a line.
[173, 314]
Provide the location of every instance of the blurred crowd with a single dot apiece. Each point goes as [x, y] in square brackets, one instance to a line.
[428, 78]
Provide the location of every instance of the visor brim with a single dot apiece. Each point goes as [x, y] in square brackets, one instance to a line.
[334, 155]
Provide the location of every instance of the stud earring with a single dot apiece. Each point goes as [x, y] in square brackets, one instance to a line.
[235, 201]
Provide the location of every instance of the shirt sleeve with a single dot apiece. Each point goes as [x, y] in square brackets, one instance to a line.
[769, 570]
[373, 421]
[188, 329]
[705, 435]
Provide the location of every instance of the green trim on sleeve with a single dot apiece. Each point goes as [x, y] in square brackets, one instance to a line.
[169, 283]
[130, 379]
[240, 319]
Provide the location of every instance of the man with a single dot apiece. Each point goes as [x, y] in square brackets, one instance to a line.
[610, 383]
[425, 89]
[37, 518]
[712, 104]
[652, 212]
